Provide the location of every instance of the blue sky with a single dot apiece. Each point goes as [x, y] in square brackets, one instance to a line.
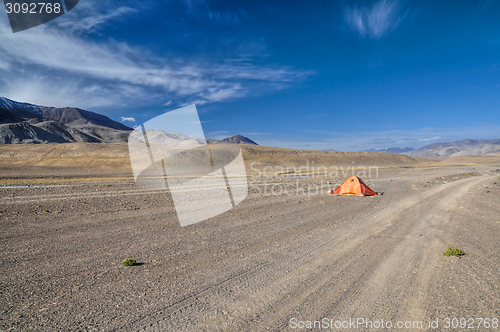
[343, 75]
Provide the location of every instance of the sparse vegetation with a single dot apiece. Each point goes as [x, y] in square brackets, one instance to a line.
[129, 262]
[454, 251]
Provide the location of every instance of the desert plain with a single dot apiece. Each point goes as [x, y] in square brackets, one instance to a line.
[71, 213]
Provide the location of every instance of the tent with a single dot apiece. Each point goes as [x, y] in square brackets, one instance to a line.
[354, 186]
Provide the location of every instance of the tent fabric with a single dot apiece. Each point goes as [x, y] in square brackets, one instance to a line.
[354, 186]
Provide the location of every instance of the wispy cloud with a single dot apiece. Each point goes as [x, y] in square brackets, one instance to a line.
[429, 139]
[90, 16]
[202, 9]
[256, 134]
[65, 68]
[218, 132]
[198, 122]
[376, 20]
[130, 119]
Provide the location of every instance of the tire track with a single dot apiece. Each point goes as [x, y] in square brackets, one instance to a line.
[356, 260]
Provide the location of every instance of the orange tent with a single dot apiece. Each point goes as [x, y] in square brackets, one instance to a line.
[354, 186]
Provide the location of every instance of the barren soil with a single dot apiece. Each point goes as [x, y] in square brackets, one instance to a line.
[307, 254]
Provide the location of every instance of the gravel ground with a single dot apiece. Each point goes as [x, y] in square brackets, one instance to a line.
[307, 255]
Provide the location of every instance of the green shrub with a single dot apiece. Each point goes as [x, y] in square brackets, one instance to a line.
[454, 252]
[129, 262]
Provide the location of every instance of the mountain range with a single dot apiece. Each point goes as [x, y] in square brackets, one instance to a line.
[24, 123]
[392, 150]
[466, 147]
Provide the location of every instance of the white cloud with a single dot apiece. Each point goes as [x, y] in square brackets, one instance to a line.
[130, 119]
[201, 9]
[218, 132]
[256, 134]
[93, 17]
[198, 122]
[429, 139]
[65, 68]
[377, 20]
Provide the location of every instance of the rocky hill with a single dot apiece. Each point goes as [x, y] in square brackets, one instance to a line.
[24, 123]
[238, 139]
[466, 147]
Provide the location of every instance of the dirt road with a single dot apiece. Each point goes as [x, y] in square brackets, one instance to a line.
[273, 263]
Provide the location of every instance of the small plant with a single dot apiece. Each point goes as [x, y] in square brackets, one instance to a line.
[487, 191]
[129, 262]
[454, 252]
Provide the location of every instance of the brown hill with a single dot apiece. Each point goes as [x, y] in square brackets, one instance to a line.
[487, 159]
[97, 159]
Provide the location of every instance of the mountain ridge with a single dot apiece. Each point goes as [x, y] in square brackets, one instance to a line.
[25, 123]
[466, 147]
[10, 109]
[392, 150]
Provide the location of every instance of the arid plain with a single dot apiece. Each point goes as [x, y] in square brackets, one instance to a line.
[70, 213]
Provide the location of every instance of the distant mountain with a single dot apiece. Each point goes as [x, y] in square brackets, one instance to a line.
[238, 139]
[12, 111]
[24, 123]
[392, 150]
[466, 147]
[164, 138]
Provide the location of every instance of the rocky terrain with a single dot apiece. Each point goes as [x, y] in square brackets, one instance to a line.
[24, 123]
[276, 258]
